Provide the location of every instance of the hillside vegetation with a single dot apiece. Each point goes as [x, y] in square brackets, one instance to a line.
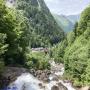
[74, 52]
[27, 24]
[43, 28]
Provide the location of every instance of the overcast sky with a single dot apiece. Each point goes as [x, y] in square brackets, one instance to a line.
[67, 7]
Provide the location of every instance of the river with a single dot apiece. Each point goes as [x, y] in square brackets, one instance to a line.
[28, 82]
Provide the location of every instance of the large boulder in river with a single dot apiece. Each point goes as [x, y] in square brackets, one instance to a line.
[55, 88]
[55, 78]
[61, 86]
[41, 86]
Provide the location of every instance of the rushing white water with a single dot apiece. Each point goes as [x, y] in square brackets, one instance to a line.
[27, 82]
[60, 73]
[10, 3]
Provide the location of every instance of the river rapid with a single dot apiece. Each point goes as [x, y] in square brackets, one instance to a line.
[28, 82]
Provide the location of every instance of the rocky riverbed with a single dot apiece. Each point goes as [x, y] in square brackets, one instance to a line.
[23, 79]
[40, 80]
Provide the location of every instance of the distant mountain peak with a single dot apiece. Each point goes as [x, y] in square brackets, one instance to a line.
[64, 22]
[74, 18]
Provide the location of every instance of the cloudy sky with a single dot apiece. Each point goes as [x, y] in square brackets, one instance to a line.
[67, 7]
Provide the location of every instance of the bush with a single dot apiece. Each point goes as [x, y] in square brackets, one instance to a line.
[37, 60]
[58, 51]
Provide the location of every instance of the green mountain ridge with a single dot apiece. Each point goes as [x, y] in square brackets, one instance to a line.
[64, 22]
[41, 21]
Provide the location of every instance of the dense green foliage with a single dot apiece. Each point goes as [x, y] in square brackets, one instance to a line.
[76, 51]
[38, 60]
[43, 28]
[3, 45]
[27, 24]
[14, 28]
[3, 48]
[58, 52]
[77, 55]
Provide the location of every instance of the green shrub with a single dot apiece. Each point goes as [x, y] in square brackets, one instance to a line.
[37, 60]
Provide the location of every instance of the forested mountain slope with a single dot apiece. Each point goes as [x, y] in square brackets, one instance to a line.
[44, 29]
[74, 52]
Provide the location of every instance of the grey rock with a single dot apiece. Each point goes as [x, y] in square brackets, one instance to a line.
[61, 86]
[55, 88]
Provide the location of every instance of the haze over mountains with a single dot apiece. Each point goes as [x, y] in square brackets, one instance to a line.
[74, 18]
[66, 22]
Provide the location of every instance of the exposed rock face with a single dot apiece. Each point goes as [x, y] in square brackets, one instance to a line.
[3, 82]
[61, 87]
[10, 74]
